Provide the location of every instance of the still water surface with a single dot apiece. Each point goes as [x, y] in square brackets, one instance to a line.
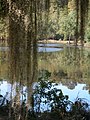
[49, 47]
[69, 67]
[77, 92]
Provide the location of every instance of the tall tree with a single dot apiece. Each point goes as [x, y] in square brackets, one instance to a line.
[82, 15]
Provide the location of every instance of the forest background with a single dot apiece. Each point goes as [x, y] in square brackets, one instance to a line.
[56, 19]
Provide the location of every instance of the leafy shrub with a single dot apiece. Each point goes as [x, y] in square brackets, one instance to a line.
[46, 93]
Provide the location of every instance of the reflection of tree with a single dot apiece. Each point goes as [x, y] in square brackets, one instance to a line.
[87, 87]
[4, 64]
[70, 84]
[72, 63]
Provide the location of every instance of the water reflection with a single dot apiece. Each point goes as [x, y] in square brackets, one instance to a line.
[51, 44]
[6, 88]
[43, 49]
[69, 67]
[49, 47]
[78, 91]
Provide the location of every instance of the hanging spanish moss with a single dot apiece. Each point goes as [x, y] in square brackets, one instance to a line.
[23, 26]
[24, 21]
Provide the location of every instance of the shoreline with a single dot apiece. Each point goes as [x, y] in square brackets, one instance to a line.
[55, 41]
[86, 45]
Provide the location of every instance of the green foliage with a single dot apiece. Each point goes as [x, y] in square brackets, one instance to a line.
[67, 24]
[44, 75]
[88, 37]
[56, 103]
[87, 32]
[47, 94]
[60, 22]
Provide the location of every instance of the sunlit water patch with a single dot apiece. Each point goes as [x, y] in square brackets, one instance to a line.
[44, 49]
[77, 92]
[50, 44]
[49, 47]
[7, 89]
